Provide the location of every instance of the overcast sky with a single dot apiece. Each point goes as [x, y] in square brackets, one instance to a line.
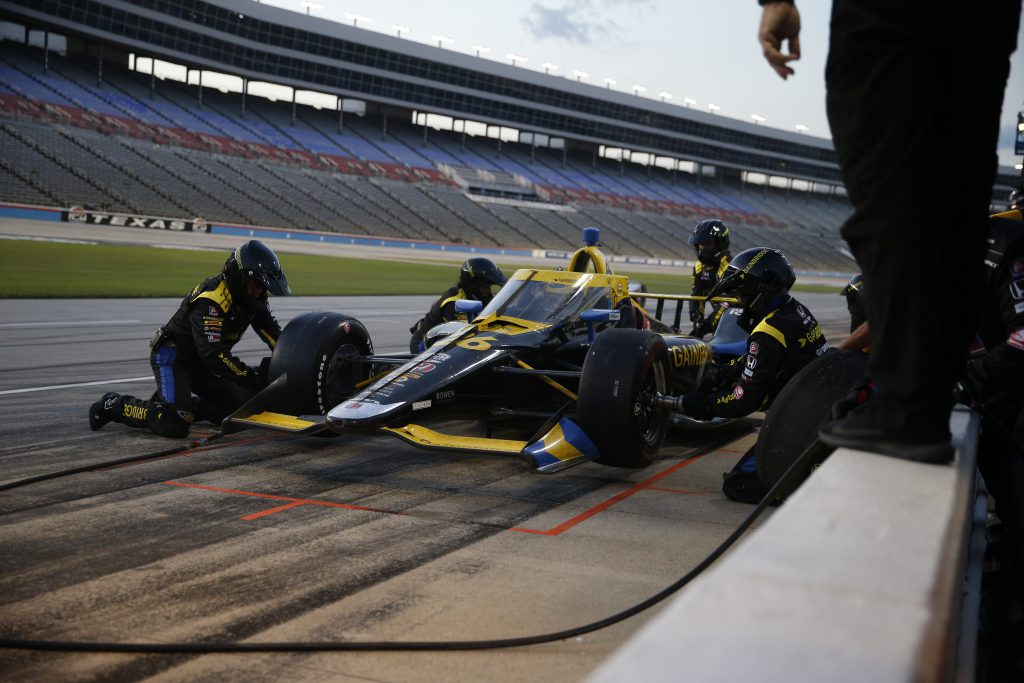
[705, 50]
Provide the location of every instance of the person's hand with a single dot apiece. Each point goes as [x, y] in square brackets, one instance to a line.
[696, 315]
[261, 374]
[780, 23]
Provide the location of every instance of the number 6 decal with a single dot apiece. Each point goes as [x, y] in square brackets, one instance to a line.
[476, 343]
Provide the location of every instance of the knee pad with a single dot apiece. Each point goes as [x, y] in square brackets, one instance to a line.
[164, 420]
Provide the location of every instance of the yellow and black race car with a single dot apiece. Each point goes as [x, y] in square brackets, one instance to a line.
[565, 359]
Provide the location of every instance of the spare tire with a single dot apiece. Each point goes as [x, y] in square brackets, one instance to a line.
[316, 350]
[792, 422]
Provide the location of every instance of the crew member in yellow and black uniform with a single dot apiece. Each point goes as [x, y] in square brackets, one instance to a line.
[710, 239]
[197, 376]
[476, 278]
[784, 337]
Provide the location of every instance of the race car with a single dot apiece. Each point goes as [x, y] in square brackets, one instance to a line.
[565, 359]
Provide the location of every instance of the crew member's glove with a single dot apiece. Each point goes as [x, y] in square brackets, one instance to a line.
[696, 315]
[696, 405]
[972, 389]
[261, 374]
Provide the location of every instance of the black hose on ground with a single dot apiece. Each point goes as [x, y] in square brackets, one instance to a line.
[812, 451]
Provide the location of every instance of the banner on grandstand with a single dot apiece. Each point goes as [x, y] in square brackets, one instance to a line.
[77, 214]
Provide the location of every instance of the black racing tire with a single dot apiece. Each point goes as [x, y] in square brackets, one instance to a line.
[315, 350]
[622, 371]
[792, 422]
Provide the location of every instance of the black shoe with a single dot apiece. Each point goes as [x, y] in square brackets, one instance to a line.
[743, 487]
[102, 411]
[885, 426]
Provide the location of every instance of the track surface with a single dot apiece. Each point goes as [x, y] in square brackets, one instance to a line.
[263, 537]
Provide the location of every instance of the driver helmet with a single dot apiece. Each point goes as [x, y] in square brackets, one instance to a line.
[477, 276]
[710, 239]
[254, 261]
[854, 293]
[760, 279]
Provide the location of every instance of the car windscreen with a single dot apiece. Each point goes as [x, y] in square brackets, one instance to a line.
[546, 302]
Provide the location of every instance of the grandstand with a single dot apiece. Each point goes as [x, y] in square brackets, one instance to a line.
[79, 127]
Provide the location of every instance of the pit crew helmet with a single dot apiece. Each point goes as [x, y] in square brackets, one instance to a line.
[257, 262]
[854, 293]
[760, 279]
[711, 231]
[478, 275]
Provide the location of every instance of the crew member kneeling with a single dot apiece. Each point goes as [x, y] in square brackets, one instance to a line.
[784, 337]
[191, 354]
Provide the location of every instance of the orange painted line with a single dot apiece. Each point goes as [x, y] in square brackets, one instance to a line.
[279, 508]
[587, 514]
[292, 502]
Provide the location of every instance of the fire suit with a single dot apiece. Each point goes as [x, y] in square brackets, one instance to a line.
[191, 354]
[705, 277]
[441, 311]
[784, 341]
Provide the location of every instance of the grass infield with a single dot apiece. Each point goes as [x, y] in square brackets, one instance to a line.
[34, 269]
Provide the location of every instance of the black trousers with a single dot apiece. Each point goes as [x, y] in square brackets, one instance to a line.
[915, 90]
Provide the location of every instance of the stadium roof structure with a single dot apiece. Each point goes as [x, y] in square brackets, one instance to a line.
[265, 43]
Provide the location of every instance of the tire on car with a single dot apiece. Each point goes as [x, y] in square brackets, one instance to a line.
[316, 350]
[792, 422]
[623, 370]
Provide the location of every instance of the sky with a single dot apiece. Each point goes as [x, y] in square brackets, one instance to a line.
[704, 50]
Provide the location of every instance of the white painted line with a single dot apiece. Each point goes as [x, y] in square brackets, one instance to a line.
[79, 384]
[82, 323]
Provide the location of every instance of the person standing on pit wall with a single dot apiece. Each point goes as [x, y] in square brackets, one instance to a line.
[476, 277]
[894, 72]
[710, 240]
[784, 337]
[191, 354]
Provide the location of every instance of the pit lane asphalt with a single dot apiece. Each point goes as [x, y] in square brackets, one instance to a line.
[267, 537]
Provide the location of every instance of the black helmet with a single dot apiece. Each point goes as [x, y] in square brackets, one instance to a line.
[756, 277]
[256, 261]
[477, 276]
[717, 233]
[854, 293]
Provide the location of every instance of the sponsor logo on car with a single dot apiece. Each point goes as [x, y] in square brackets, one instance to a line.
[442, 395]
[420, 405]
[424, 368]
[686, 356]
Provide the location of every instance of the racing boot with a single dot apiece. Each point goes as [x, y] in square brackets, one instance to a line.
[104, 410]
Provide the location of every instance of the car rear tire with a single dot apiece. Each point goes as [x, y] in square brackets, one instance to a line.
[316, 351]
[615, 408]
[792, 422]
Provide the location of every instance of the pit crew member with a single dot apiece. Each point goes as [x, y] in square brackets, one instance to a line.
[994, 378]
[476, 277]
[710, 239]
[784, 336]
[191, 354]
